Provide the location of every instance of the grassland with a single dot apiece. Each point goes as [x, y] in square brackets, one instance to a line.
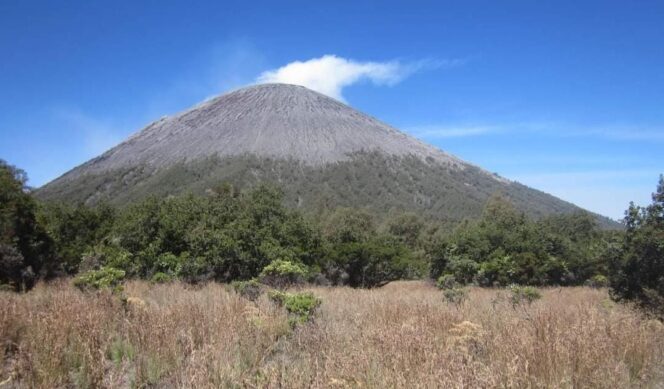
[401, 335]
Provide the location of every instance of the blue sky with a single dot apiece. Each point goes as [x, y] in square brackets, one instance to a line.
[564, 96]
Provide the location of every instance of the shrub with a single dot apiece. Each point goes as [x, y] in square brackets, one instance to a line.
[169, 263]
[371, 263]
[598, 281]
[446, 281]
[106, 277]
[456, 296]
[161, 278]
[300, 306]
[464, 269]
[109, 255]
[250, 290]
[524, 294]
[278, 297]
[280, 274]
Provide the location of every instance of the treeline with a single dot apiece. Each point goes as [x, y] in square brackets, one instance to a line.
[505, 247]
[227, 235]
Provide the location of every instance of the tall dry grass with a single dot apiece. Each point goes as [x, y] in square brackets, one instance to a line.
[402, 335]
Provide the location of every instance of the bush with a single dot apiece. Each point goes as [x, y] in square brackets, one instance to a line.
[456, 296]
[161, 278]
[250, 290]
[524, 294]
[300, 306]
[109, 255]
[371, 263]
[280, 274]
[598, 281]
[505, 247]
[106, 277]
[169, 263]
[464, 269]
[446, 281]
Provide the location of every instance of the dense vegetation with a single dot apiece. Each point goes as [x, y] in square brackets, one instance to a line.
[371, 181]
[637, 261]
[230, 235]
[26, 251]
[505, 247]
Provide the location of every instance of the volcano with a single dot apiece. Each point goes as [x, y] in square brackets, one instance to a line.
[321, 152]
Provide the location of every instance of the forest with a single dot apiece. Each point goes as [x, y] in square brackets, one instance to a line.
[228, 235]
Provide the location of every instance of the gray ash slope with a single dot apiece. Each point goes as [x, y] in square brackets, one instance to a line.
[271, 120]
[321, 152]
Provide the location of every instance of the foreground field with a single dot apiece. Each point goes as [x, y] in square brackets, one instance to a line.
[402, 335]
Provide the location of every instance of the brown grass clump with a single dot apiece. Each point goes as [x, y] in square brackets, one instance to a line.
[401, 335]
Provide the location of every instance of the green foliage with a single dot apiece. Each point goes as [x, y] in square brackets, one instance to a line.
[523, 294]
[598, 281]
[224, 236]
[111, 255]
[277, 296]
[446, 281]
[300, 306]
[505, 247]
[359, 256]
[347, 225]
[637, 262]
[76, 229]
[368, 180]
[104, 278]
[120, 350]
[370, 263]
[228, 234]
[462, 268]
[455, 295]
[250, 289]
[26, 250]
[280, 274]
[161, 278]
[407, 227]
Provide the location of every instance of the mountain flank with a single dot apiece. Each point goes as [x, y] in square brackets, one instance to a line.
[321, 152]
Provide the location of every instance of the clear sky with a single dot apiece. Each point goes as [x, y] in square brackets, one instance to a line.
[564, 96]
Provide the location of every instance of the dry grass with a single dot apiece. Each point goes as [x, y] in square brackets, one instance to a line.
[402, 335]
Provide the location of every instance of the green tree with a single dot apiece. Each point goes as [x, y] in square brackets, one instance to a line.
[505, 247]
[26, 251]
[350, 225]
[407, 227]
[369, 263]
[637, 266]
[224, 236]
[75, 229]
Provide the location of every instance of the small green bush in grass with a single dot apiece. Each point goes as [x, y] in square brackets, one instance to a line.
[106, 277]
[250, 290]
[161, 278]
[524, 294]
[598, 281]
[446, 281]
[456, 296]
[300, 306]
